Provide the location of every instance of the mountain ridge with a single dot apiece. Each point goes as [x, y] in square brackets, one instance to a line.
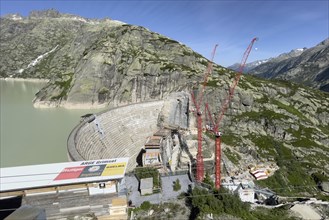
[252, 65]
[306, 66]
[111, 63]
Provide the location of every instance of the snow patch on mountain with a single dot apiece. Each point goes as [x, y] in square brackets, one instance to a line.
[15, 17]
[37, 60]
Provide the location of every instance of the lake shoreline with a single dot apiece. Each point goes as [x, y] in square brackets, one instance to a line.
[56, 104]
[24, 79]
[67, 105]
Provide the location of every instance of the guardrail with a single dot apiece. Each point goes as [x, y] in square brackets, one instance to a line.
[174, 173]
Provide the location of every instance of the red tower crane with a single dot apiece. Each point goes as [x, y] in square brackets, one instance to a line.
[197, 101]
[225, 105]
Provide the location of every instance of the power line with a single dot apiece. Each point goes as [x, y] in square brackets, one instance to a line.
[287, 187]
[185, 196]
[5, 210]
[228, 193]
[51, 179]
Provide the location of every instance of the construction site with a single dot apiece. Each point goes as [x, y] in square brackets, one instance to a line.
[169, 146]
[168, 135]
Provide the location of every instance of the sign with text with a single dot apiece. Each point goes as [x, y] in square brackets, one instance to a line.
[58, 174]
[92, 169]
[70, 173]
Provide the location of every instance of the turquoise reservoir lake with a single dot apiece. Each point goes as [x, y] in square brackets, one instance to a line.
[30, 135]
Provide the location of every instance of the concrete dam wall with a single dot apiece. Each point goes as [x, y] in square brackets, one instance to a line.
[122, 131]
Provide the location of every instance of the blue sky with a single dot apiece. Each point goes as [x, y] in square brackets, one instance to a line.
[281, 25]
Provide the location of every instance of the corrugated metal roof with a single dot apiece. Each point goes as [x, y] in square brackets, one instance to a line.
[119, 202]
[259, 174]
[153, 142]
[45, 175]
[163, 133]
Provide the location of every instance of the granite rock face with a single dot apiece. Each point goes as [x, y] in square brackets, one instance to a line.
[175, 111]
[305, 66]
[96, 63]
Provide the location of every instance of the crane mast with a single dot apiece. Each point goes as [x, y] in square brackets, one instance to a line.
[223, 110]
[197, 101]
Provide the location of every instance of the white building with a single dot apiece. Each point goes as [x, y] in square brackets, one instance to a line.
[146, 186]
[246, 195]
[242, 187]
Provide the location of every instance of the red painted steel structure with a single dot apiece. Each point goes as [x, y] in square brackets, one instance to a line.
[197, 101]
[222, 112]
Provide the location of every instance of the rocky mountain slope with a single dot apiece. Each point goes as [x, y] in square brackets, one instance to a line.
[248, 66]
[275, 123]
[92, 63]
[252, 65]
[306, 66]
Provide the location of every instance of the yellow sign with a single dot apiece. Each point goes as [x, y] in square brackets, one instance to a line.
[114, 169]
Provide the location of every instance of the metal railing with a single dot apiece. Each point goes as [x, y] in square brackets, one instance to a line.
[174, 173]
